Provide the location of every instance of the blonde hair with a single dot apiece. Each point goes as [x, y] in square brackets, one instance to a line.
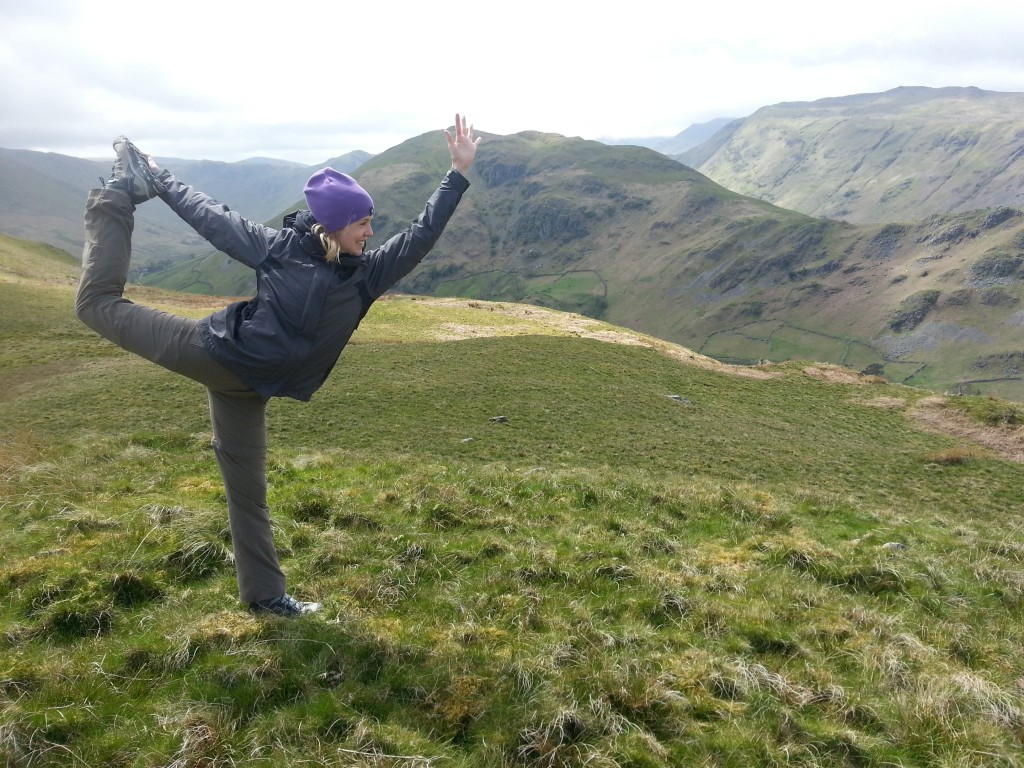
[331, 248]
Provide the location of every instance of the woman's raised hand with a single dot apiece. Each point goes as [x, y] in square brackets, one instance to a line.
[462, 146]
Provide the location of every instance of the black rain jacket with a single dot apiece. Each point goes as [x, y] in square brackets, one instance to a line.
[284, 341]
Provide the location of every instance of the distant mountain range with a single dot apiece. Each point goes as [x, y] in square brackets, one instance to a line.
[891, 157]
[42, 197]
[928, 296]
[692, 137]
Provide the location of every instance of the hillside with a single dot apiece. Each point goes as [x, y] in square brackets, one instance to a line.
[536, 548]
[627, 235]
[898, 156]
[685, 140]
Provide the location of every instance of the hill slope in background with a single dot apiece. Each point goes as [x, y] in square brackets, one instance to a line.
[683, 141]
[630, 236]
[535, 548]
[897, 156]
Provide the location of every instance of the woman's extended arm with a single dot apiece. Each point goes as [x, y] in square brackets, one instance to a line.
[224, 229]
[401, 253]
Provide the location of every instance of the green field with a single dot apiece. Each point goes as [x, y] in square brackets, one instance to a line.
[652, 560]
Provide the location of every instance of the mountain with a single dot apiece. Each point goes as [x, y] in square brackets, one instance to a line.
[694, 136]
[633, 237]
[896, 156]
[42, 197]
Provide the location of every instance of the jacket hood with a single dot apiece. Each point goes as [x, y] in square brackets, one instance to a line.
[301, 221]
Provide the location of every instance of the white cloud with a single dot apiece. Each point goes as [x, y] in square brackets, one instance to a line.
[229, 80]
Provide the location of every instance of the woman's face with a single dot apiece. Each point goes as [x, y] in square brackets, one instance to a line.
[352, 239]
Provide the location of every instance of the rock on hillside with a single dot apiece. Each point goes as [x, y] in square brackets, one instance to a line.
[896, 156]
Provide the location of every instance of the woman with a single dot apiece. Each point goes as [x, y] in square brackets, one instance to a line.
[315, 282]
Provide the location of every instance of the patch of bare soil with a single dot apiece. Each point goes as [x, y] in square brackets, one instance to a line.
[838, 375]
[932, 413]
[887, 402]
[584, 327]
[1006, 442]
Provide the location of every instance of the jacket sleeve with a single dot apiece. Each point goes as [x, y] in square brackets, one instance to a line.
[225, 230]
[403, 251]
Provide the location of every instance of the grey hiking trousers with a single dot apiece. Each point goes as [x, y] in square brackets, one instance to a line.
[237, 413]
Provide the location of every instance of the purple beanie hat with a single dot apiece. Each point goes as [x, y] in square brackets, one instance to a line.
[336, 200]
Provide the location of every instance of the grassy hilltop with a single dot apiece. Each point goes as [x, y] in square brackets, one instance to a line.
[541, 540]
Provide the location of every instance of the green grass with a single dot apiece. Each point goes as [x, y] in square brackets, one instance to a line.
[646, 563]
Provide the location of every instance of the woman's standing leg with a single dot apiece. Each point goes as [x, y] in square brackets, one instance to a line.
[240, 443]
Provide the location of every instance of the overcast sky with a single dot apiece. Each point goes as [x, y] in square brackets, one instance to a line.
[307, 81]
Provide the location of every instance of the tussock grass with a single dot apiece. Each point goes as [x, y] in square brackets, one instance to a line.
[958, 455]
[771, 572]
[501, 616]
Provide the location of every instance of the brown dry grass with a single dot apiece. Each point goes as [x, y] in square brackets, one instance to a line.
[933, 413]
[1007, 442]
[571, 324]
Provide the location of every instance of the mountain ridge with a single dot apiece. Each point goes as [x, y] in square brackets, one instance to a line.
[632, 236]
[896, 156]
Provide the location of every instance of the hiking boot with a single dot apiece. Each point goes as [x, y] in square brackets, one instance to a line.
[132, 172]
[285, 605]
